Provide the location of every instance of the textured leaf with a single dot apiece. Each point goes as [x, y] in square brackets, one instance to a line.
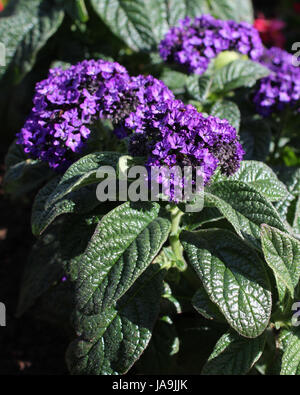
[25, 27]
[244, 207]
[141, 24]
[234, 355]
[82, 173]
[198, 87]
[43, 270]
[179, 9]
[228, 9]
[175, 80]
[237, 74]
[227, 110]
[23, 175]
[261, 177]
[112, 341]
[233, 277]
[256, 137]
[195, 220]
[125, 242]
[291, 356]
[291, 177]
[282, 253]
[206, 307]
[159, 357]
[56, 253]
[80, 201]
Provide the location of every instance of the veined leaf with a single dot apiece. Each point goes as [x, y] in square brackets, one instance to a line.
[234, 355]
[112, 341]
[237, 74]
[227, 110]
[125, 242]
[244, 207]
[291, 356]
[25, 27]
[228, 9]
[256, 137]
[141, 24]
[233, 276]
[206, 307]
[179, 9]
[198, 87]
[282, 254]
[261, 177]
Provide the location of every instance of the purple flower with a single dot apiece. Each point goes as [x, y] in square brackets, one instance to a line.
[281, 87]
[172, 133]
[67, 102]
[194, 42]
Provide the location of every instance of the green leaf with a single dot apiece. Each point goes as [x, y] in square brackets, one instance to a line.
[227, 110]
[56, 253]
[291, 356]
[25, 27]
[43, 270]
[261, 177]
[23, 175]
[125, 242]
[160, 355]
[244, 207]
[82, 173]
[228, 9]
[206, 307]
[175, 80]
[233, 276]
[80, 201]
[291, 177]
[256, 137]
[141, 24]
[198, 87]
[191, 221]
[179, 9]
[234, 355]
[237, 74]
[112, 341]
[282, 254]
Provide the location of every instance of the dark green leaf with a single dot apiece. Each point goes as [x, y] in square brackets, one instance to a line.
[282, 253]
[256, 137]
[244, 207]
[25, 27]
[112, 341]
[291, 356]
[233, 276]
[237, 74]
[125, 242]
[234, 355]
[228, 9]
[227, 110]
[141, 24]
[206, 307]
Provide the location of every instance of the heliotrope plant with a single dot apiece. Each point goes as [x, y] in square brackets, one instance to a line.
[129, 279]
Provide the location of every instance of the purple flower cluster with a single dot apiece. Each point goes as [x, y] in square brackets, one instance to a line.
[174, 134]
[68, 102]
[146, 90]
[281, 87]
[195, 42]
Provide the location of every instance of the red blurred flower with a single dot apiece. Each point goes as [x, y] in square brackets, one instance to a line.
[270, 30]
[1, 6]
[297, 7]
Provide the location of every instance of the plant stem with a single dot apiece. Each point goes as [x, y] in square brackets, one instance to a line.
[176, 215]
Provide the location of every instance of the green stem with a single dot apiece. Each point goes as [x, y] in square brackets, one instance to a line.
[176, 215]
[177, 248]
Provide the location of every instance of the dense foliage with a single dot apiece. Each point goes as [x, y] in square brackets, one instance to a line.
[146, 285]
